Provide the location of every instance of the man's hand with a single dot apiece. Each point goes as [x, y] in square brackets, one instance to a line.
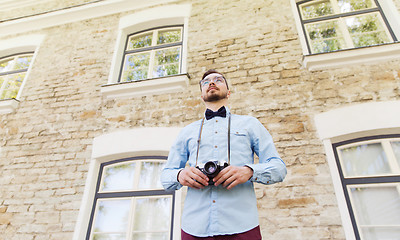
[193, 177]
[232, 176]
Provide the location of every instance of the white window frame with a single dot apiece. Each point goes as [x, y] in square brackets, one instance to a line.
[120, 145]
[156, 17]
[351, 122]
[353, 56]
[12, 46]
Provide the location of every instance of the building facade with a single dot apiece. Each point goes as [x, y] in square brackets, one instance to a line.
[93, 93]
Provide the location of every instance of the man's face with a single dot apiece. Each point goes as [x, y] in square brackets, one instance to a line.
[214, 88]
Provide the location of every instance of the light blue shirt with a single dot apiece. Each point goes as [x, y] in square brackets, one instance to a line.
[216, 210]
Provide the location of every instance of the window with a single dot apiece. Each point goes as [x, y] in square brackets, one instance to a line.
[151, 46]
[152, 54]
[331, 25]
[369, 169]
[130, 202]
[12, 74]
[336, 33]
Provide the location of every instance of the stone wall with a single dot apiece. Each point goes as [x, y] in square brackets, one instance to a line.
[46, 143]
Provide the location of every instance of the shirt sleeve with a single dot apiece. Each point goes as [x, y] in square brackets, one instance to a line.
[177, 158]
[270, 169]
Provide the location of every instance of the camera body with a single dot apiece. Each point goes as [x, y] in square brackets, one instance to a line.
[211, 169]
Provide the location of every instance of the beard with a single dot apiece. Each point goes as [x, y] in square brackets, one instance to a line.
[214, 96]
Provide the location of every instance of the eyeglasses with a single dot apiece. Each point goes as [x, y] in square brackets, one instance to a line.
[216, 80]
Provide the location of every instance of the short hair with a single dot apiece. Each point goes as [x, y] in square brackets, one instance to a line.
[211, 71]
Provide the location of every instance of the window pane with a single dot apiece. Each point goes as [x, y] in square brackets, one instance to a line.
[22, 62]
[12, 86]
[372, 233]
[6, 65]
[112, 216]
[151, 236]
[167, 62]
[318, 9]
[355, 5]
[364, 160]
[150, 175]
[109, 237]
[367, 30]
[169, 36]
[325, 36]
[140, 41]
[120, 177]
[136, 67]
[377, 206]
[396, 150]
[152, 214]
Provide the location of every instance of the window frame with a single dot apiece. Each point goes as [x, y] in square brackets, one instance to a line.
[152, 49]
[347, 182]
[352, 56]
[106, 195]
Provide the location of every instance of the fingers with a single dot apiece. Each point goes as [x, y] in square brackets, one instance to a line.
[193, 177]
[232, 176]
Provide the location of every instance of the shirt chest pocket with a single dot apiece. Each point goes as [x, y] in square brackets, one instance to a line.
[238, 133]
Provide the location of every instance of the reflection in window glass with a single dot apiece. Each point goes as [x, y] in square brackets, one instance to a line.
[318, 9]
[156, 53]
[325, 36]
[365, 160]
[120, 177]
[354, 5]
[149, 175]
[152, 214]
[112, 216]
[377, 206]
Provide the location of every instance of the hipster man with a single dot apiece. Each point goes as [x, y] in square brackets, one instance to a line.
[214, 158]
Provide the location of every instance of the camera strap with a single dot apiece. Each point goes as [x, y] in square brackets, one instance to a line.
[229, 139]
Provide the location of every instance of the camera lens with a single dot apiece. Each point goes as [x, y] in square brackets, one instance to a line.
[210, 167]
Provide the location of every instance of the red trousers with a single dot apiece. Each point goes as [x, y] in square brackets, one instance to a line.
[253, 234]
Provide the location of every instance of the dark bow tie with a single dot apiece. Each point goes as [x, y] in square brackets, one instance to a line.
[210, 114]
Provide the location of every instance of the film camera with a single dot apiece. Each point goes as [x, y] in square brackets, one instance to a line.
[212, 168]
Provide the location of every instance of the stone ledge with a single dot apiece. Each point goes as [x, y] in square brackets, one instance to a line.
[8, 105]
[154, 86]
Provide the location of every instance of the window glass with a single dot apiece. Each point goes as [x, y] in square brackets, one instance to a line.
[354, 5]
[140, 41]
[377, 206]
[167, 62]
[325, 36]
[153, 54]
[367, 30]
[120, 177]
[317, 9]
[365, 160]
[149, 175]
[396, 150]
[112, 217]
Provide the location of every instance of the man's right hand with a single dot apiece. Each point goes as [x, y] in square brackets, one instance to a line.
[193, 177]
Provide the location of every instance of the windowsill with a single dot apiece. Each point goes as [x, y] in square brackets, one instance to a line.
[352, 56]
[8, 105]
[154, 86]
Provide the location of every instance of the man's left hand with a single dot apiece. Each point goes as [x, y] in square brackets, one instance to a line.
[231, 176]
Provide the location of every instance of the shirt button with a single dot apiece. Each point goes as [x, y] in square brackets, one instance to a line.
[216, 120]
[215, 146]
[216, 132]
[213, 201]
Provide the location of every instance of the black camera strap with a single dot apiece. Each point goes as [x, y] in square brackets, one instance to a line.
[229, 139]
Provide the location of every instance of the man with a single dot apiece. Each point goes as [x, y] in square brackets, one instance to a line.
[225, 206]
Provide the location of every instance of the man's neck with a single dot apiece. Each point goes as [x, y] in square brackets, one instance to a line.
[214, 106]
